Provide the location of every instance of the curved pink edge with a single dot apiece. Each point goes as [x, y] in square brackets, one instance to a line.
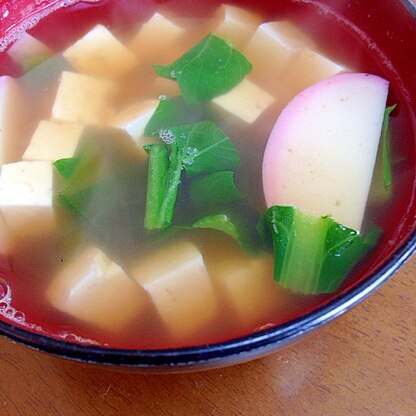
[290, 115]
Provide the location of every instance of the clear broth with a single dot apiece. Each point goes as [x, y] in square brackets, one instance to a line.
[34, 263]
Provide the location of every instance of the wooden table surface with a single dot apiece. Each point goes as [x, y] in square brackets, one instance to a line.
[364, 363]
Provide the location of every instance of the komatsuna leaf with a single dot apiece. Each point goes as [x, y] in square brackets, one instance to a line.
[213, 189]
[203, 148]
[171, 112]
[385, 143]
[237, 225]
[209, 69]
[313, 254]
[163, 180]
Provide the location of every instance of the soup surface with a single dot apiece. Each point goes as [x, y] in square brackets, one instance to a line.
[84, 258]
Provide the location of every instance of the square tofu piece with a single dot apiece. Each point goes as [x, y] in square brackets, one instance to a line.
[99, 53]
[234, 24]
[157, 40]
[245, 101]
[305, 69]
[15, 121]
[53, 141]
[29, 51]
[180, 287]
[133, 120]
[96, 290]
[83, 99]
[271, 48]
[247, 286]
[26, 198]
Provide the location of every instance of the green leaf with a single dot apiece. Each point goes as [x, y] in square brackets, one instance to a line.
[385, 143]
[165, 71]
[239, 222]
[66, 167]
[213, 189]
[169, 113]
[204, 148]
[313, 254]
[382, 182]
[211, 68]
[164, 176]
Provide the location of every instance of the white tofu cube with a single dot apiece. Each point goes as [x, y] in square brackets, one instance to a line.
[26, 198]
[83, 99]
[96, 290]
[53, 141]
[133, 120]
[29, 51]
[157, 40]
[180, 287]
[15, 121]
[99, 53]
[305, 69]
[245, 101]
[235, 25]
[246, 284]
[271, 48]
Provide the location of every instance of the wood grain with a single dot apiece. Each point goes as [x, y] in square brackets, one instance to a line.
[362, 364]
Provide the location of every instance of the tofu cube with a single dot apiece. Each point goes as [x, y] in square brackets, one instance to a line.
[133, 120]
[157, 40]
[178, 283]
[83, 99]
[246, 101]
[234, 24]
[29, 51]
[53, 141]
[99, 53]
[305, 69]
[26, 198]
[15, 121]
[246, 284]
[96, 290]
[271, 48]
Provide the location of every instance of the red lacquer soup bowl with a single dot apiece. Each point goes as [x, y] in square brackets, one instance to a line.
[369, 36]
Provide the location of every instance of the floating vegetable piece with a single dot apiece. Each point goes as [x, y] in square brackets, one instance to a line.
[204, 148]
[169, 113]
[313, 254]
[213, 189]
[210, 68]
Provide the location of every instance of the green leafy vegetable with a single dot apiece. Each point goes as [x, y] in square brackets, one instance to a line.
[171, 112]
[385, 143]
[210, 68]
[204, 148]
[382, 182]
[237, 220]
[213, 189]
[164, 174]
[313, 254]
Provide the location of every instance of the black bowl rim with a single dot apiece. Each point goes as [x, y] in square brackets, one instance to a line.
[228, 352]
